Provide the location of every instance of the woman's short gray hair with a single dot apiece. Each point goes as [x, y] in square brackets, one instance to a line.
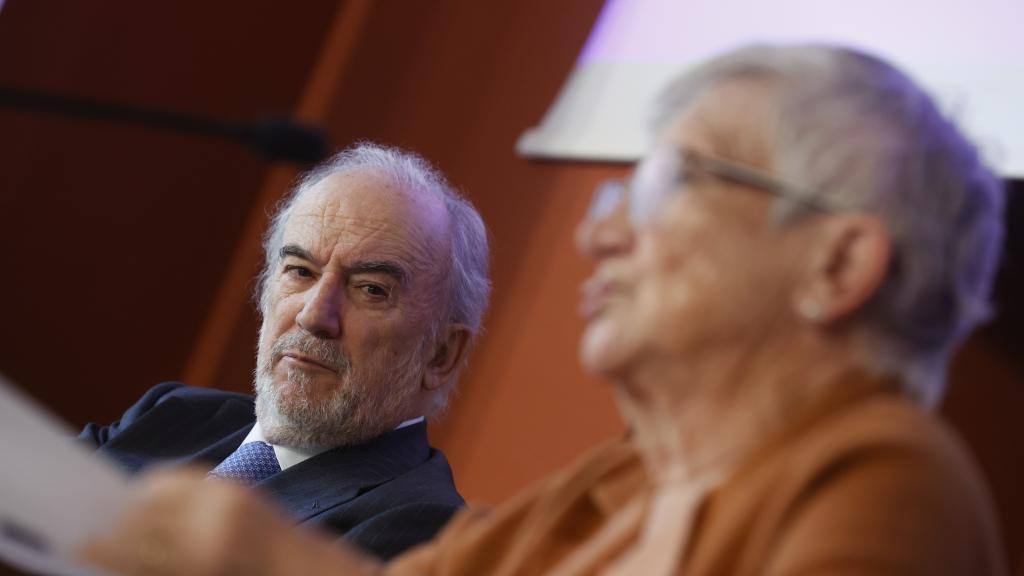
[468, 288]
[866, 137]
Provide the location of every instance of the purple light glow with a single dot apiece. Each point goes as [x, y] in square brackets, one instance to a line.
[935, 30]
[969, 54]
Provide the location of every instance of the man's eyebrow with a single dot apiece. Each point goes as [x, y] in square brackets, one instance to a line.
[393, 269]
[297, 251]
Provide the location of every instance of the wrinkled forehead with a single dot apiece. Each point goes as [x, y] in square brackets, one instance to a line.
[366, 215]
[735, 119]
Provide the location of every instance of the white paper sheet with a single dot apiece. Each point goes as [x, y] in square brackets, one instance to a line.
[53, 493]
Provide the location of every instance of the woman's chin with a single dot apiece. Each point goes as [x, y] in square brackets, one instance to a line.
[603, 349]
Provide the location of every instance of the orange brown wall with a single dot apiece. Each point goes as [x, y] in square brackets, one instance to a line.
[129, 253]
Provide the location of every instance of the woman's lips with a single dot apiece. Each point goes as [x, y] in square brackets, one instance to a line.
[595, 294]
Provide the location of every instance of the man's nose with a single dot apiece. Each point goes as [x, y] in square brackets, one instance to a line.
[606, 235]
[321, 311]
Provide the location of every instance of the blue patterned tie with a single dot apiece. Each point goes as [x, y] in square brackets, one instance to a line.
[252, 462]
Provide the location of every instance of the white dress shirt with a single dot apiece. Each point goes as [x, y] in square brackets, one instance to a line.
[288, 456]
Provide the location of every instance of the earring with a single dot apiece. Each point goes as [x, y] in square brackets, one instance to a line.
[810, 309]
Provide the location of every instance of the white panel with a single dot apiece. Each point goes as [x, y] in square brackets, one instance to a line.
[968, 54]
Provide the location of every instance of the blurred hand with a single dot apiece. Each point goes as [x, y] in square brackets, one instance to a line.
[181, 523]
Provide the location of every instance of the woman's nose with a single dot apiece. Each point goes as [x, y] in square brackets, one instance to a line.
[605, 233]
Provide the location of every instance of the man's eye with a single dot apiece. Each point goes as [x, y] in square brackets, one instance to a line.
[299, 271]
[374, 290]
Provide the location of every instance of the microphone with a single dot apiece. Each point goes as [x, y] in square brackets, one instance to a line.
[282, 138]
[274, 137]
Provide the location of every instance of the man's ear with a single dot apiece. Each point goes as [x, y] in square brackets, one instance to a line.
[849, 261]
[449, 354]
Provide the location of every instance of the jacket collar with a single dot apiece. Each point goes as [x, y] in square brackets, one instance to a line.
[336, 476]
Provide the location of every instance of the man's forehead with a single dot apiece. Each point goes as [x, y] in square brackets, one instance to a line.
[351, 194]
[362, 213]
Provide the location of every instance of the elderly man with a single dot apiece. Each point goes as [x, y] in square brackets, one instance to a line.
[373, 289]
[777, 292]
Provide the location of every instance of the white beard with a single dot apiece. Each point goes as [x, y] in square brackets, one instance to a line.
[363, 405]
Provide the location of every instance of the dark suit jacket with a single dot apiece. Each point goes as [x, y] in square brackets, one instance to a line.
[385, 496]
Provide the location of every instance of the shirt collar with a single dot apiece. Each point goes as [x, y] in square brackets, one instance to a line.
[288, 456]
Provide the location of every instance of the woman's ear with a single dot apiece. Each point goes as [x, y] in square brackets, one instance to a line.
[848, 264]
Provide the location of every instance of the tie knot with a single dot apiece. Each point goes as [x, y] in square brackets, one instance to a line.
[250, 463]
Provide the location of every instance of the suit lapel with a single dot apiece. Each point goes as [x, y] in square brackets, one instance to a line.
[180, 432]
[215, 453]
[337, 476]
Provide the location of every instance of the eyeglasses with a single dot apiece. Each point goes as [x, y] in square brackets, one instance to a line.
[669, 171]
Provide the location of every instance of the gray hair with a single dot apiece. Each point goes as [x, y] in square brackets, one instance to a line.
[865, 137]
[468, 288]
